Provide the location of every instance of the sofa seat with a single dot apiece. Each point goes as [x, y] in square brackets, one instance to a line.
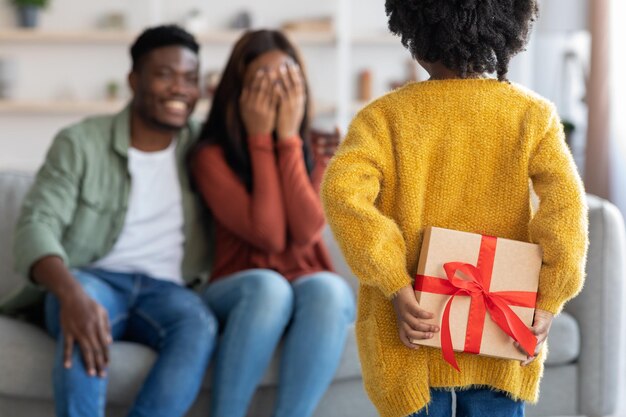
[28, 371]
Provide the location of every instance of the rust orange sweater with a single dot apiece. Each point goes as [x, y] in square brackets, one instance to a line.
[278, 225]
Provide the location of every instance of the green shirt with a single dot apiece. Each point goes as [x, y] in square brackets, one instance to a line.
[77, 205]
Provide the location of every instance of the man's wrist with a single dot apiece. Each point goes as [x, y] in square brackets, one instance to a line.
[69, 293]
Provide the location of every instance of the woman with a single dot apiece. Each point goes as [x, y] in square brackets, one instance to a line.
[272, 274]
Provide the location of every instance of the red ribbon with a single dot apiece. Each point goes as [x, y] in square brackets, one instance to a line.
[482, 301]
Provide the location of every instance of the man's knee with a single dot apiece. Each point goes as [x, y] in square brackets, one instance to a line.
[194, 318]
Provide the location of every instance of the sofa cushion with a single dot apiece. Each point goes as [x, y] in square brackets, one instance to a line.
[27, 355]
[13, 188]
[563, 341]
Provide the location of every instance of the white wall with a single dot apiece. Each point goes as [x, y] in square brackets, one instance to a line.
[81, 14]
[77, 71]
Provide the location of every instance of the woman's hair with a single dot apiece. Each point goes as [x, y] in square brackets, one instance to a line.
[468, 36]
[224, 125]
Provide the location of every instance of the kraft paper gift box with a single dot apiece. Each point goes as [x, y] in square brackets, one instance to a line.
[482, 291]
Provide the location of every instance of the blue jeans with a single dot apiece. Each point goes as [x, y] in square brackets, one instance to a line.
[474, 402]
[169, 318]
[257, 307]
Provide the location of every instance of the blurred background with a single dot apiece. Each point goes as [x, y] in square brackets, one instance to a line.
[74, 59]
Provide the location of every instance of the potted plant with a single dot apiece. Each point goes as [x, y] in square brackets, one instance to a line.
[28, 11]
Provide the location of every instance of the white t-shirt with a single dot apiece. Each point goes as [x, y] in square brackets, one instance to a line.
[151, 240]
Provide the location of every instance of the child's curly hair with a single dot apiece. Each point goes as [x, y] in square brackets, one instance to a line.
[468, 36]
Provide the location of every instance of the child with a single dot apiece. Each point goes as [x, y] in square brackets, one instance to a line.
[456, 151]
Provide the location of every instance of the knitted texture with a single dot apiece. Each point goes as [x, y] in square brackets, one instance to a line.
[457, 154]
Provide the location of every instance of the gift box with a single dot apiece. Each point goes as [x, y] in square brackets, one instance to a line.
[482, 291]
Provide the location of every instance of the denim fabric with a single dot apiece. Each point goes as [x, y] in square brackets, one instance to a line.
[169, 318]
[474, 402]
[257, 308]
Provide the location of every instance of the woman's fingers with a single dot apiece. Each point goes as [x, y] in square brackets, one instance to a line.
[255, 84]
[245, 96]
[260, 93]
[295, 77]
[255, 87]
[283, 75]
[264, 90]
[276, 96]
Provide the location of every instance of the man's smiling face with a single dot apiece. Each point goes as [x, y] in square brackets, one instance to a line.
[165, 87]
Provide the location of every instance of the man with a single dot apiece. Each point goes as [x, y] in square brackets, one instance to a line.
[112, 231]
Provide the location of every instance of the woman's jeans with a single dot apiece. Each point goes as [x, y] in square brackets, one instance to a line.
[170, 319]
[474, 402]
[255, 308]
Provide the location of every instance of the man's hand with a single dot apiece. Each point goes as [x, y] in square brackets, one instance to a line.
[410, 318]
[85, 322]
[540, 328]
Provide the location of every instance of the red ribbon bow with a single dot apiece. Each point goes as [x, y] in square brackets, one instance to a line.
[482, 301]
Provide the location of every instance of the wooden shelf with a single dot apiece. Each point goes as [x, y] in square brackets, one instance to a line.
[114, 37]
[59, 107]
[376, 39]
[78, 107]
[38, 36]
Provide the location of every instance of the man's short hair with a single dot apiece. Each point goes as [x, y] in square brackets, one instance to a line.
[158, 37]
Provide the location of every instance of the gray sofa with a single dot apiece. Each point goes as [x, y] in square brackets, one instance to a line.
[580, 377]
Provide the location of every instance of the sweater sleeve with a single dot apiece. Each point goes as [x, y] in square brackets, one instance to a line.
[257, 217]
[371, 242]
[305, 217]
[560, 223]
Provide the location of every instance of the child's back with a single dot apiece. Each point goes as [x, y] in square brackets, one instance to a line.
[461, 152]
[453, 152]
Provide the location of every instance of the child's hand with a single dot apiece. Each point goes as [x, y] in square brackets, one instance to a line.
[410, 318]
[541, 328]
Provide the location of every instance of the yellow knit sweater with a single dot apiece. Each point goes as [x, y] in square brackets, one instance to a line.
[456, 154]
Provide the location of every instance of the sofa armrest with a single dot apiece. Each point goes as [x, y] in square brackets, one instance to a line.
[598, 310]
